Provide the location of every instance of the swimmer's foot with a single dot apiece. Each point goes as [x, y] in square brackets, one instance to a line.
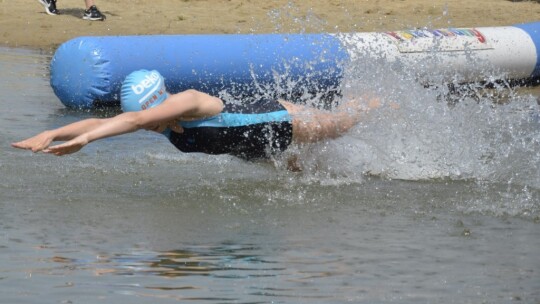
[50, 7]
[93, 14]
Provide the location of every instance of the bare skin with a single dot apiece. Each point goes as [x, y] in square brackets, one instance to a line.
[313, 125]
[309, 124]
[89, 3]
[187, 105]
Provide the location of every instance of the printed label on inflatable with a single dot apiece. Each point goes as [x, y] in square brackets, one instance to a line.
[440, 40]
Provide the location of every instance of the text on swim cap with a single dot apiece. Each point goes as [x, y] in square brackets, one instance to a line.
[152, 99]
[147, 82]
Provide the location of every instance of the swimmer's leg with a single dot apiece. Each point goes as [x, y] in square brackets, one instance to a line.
[312, 125]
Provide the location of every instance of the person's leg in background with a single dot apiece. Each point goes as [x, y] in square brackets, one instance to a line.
[92, 12]
[50, 7]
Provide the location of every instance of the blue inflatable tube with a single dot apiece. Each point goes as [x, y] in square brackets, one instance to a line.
[88, 71]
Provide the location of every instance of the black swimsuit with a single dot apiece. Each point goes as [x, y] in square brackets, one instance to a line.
[253, 130]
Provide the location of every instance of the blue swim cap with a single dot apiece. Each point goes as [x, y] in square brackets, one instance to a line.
[142, 90]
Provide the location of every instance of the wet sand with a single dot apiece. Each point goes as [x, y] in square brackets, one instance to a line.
[25, 24]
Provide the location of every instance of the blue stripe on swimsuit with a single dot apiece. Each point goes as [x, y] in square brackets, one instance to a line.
[238, 119]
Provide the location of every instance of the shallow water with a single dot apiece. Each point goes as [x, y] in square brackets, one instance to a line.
[428, 203]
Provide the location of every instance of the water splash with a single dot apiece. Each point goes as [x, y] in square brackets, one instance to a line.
[443, 129]
[487, 134]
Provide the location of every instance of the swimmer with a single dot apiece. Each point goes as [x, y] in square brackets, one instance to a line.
[194, 121]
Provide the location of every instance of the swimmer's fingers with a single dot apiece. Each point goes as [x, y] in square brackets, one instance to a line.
[176, 128]
[21, 145]
[62, 149]
[69, 147]
[36, 143]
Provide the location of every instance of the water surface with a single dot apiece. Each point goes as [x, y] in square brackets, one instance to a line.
[430, 203]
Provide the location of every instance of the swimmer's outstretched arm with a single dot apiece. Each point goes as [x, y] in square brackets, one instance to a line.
[191, 104]
[42, 140]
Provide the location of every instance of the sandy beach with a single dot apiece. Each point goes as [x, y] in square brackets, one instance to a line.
[24, 23]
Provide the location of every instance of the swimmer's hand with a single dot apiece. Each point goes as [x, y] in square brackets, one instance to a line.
[161, 127]
[68, 147]
[36, 143]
